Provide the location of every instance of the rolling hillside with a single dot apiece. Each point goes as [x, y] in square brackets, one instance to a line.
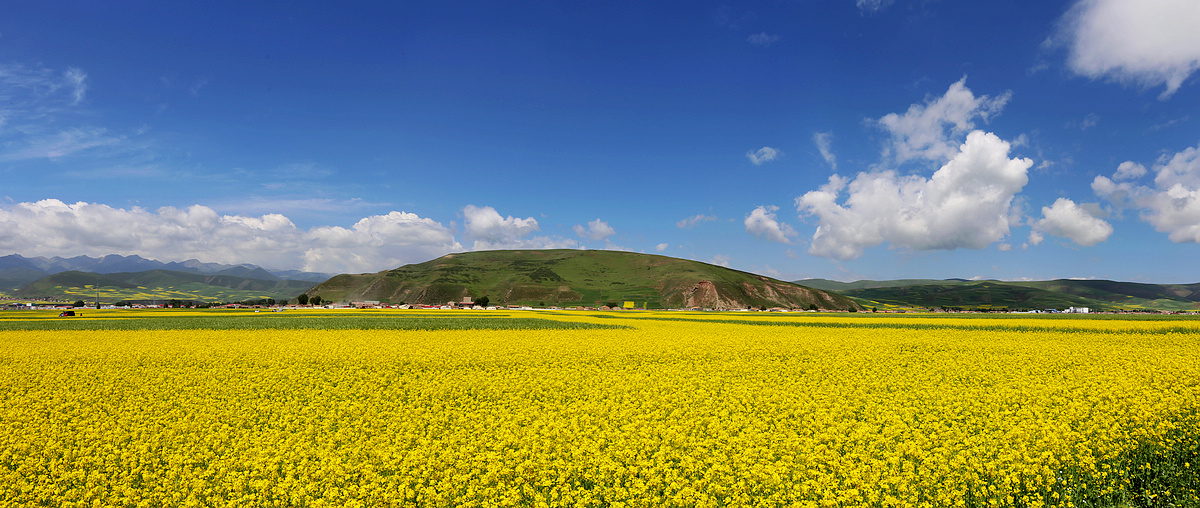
[160, 285]
[575, 278]
[1102, 295]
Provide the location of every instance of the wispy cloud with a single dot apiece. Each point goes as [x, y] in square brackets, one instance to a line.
[194, 90]
[763, 39]
[1086, 123]
[724, 16]
[35, 93]
[1170, 123]
[256, 204]
[824, 142]
[39, 113]
[763, 155]
[692, 221]
[77, 81]
[61, 144]
[720, 260]
[873, 6]
[124, 171]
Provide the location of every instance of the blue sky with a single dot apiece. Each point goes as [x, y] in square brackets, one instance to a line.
[845, 139]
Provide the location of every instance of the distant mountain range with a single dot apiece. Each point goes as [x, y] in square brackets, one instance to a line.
[161, 285]
[17, 271]
[1104, 295]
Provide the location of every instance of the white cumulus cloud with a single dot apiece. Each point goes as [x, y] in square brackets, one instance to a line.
[1129, 170]
[595, 230]
[378, 242]
[762, 223]
[660, 247]
[491, 231]
[1145, 42]
[763, 155]
[1066, 219]
[1171, 205]
[928, 131]
[967, 203]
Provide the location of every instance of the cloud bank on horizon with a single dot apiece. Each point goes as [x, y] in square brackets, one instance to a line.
[627, 143]
[53, 228]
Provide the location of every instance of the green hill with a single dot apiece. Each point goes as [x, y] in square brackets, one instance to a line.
[15, 278]
[575, 278]
[1104, 295]
[159, 285]
[1109, 294]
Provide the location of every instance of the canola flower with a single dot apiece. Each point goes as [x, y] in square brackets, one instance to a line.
[674, 410]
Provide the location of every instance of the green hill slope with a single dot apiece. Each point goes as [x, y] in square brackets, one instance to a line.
[575, 278]
[12, 279]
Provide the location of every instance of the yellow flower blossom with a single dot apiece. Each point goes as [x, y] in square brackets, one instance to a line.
[692, 409]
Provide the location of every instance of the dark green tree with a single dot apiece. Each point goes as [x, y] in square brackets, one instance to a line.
[78, 303]
[315, 300]
[482, 301]
[302, 299]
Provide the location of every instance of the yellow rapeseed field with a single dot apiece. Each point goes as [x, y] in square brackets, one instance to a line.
[677, 409]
